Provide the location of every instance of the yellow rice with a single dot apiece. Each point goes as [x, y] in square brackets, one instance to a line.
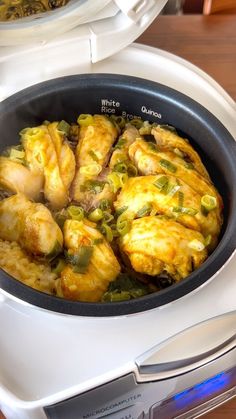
[17, 263]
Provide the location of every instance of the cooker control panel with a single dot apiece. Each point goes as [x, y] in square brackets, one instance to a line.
[185, 396]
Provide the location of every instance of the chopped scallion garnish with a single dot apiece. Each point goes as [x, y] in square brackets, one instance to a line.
[104, 204]
[84, 120]
[64, 127]
[121, 142]
[120, 211]
[96, 215]
[161, 183]
[94, 156]
[91, 170]
[145, 210]
[123, 225]
[120, 167]
[76, 213]
[107, 231]
[209, 202]
[137, 122]
[180, 199]
[184, 210]
[80, 259]
[168, 165]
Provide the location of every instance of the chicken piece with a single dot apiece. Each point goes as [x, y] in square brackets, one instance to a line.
[120, 154]
[156, 245]
[15, 177]
[170, 140]
[92, 154]
[87, 249]
[48, 154]
[166, 195]
[151, 162]
[31, 225]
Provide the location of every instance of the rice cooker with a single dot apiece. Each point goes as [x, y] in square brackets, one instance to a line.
[177, 360]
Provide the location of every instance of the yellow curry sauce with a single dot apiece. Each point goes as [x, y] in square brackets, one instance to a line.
[16, 9]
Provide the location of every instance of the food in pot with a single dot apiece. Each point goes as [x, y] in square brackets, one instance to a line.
[16, 9]
[105, 209]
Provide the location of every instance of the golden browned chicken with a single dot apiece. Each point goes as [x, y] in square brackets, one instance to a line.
[120, 154]
[150, 161]
[158, 245]
[48, 153]
[31, 225]
[97, 135]
[91, 263]
[15, 177]
[167, 139]
[167, 195]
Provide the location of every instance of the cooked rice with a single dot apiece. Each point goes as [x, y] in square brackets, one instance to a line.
[17, 263]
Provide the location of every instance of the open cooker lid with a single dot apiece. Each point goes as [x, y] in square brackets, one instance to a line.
[110, 24]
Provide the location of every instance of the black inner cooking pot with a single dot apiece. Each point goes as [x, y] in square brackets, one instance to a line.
[67, 97]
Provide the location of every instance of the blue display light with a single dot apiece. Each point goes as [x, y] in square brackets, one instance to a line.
[204, 389]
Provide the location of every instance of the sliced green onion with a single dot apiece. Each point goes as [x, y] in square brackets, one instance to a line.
[189, 165]
[120, 143]
[94, 186]
[120, 167]
[107, 217]
[107, 231]
[137, 122]
[180, 199]
[92, 169]
[85, 119]
[145, 128]
[168, 165]
[17, 155]
[64, 127]
[119, 120]
[116, 296]
[153, 147]
[123, 225]
[184, 210]
[76, 213]
[104, 204]
[120, 211]
[97, 241]
[144, 211]
[132, 170]
[196, 245]
[61, 217]
[208, 240]
[172, 189]
[117, 180]
[95, 215]
[161, 183]
[94, 156]
[114, 230]
[209, 202]
[81, 258]
[58, 267]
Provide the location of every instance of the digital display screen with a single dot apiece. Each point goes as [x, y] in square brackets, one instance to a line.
[210, 387]
[196, 396]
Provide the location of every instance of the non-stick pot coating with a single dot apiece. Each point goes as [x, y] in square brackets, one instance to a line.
[67, 97]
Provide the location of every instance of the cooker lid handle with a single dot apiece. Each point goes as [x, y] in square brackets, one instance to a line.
[110, 35]
[190, 349]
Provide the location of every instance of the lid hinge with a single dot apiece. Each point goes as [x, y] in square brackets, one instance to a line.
[135, 9]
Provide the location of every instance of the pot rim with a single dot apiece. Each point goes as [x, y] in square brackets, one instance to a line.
[207, 270]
